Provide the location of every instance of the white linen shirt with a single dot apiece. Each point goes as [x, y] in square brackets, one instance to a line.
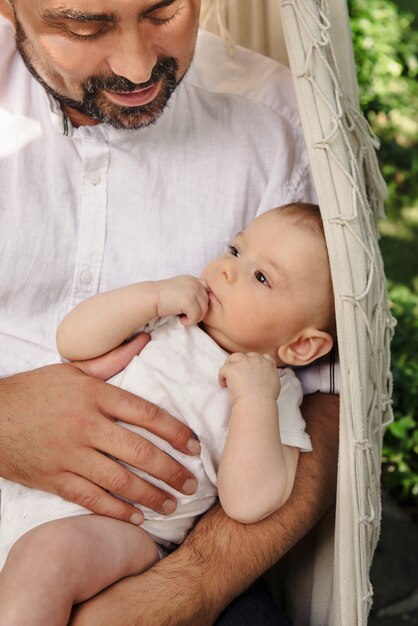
[88, 209]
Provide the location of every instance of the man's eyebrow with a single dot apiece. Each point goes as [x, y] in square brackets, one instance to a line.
[158, 5]
[78, 16]
[68, 13]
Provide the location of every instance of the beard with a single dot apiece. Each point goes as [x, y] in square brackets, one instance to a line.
[98, 107]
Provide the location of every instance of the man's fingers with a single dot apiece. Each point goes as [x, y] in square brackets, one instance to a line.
[135, 450]
[79, 490]
[80, 411]
[113, 477]
[129, 408]
[113, 362]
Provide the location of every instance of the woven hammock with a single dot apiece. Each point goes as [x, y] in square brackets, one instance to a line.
[328, 575]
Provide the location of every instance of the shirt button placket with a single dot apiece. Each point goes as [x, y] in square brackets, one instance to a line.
[92, 213]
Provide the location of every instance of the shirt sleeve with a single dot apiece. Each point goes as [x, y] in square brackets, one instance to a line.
[292, 425]
[323, 377]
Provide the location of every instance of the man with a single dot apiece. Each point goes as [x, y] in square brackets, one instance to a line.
[110, 153]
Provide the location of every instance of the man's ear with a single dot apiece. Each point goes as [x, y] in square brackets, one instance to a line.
[308, 346]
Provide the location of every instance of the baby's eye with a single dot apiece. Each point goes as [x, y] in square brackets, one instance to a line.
[233, 250]
[260, 277]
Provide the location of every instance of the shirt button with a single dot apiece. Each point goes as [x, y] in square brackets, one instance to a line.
[86, 277]
[94, 179]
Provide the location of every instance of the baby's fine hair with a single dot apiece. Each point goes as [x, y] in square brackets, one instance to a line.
[306, 214]
[308, 217]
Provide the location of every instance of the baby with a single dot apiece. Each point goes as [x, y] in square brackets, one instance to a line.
[217, 343]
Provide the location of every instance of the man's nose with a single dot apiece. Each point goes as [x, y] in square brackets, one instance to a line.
[132, 57]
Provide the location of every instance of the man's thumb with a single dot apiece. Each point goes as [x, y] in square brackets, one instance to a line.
[112, 362]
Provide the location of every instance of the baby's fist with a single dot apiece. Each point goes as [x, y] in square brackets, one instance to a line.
[250, 374]
[186, 296]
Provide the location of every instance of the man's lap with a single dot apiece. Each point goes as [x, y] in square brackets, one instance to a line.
[255, 607]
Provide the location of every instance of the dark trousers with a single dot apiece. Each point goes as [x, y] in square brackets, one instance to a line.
[255, 607]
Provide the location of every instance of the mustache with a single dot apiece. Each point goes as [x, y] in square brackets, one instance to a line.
[165, 66]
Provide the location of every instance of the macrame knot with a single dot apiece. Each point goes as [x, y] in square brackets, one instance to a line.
[386, 402]
[322, 144]
[367, 520]
[337, 220]
[363, 444]
[368, 596]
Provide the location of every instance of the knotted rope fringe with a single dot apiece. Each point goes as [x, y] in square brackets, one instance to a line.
[351, 194]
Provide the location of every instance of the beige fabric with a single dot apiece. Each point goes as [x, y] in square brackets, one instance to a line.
[328, 579]
[255, 24]
[351, 193]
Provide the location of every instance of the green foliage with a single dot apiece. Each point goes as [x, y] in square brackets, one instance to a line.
[400, 450]
[385, 49]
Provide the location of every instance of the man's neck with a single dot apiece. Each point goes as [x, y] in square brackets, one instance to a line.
[77, 118]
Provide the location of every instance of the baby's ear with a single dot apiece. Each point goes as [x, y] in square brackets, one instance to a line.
[308, 346]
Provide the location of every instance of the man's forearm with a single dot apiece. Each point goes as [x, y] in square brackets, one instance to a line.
[220, 558]
[237, 553]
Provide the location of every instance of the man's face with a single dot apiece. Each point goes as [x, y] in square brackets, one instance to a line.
[114, 61]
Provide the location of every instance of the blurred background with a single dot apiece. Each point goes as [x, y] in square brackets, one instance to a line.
[385, 39]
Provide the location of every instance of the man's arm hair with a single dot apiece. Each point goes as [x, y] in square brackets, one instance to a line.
[227, 550]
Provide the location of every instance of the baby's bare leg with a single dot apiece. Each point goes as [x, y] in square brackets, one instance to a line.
[66, 561]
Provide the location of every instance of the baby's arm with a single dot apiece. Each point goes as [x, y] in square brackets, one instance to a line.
[104, 321]
[257, 471]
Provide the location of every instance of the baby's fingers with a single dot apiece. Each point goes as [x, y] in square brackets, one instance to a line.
[222, 379]
[226, 369]
[196, 311]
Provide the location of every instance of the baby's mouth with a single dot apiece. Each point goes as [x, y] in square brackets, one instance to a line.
[212, 297]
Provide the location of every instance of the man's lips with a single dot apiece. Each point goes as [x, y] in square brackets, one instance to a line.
[136, 98]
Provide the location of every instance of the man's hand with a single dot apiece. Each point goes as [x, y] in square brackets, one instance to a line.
[58, 433]
[185, 295]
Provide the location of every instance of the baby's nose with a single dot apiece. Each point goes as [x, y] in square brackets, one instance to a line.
[229, 272]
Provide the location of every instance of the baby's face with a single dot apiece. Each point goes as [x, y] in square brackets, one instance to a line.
[272, 282]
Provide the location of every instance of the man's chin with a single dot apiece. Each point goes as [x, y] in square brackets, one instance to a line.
[128, 118]
[103, 110]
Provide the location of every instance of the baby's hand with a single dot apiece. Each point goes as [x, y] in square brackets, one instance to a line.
[186, 296]
[250, 374]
